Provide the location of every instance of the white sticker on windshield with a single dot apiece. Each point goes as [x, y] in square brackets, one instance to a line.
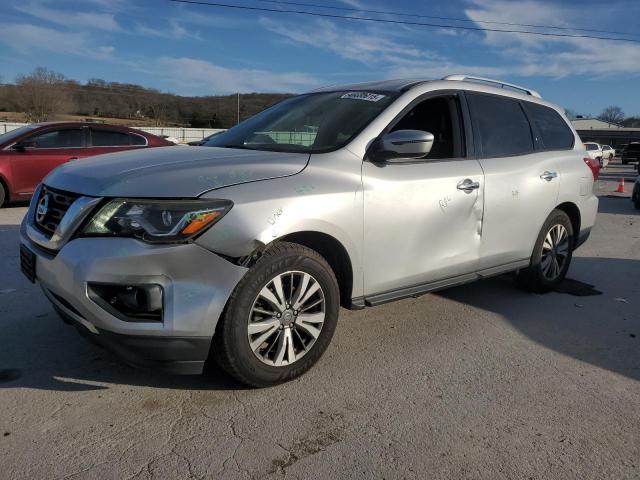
[369, 97]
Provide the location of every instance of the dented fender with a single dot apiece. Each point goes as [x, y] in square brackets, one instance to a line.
[324, 198]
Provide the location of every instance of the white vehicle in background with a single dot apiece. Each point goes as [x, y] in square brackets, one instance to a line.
[171, 139]
[607, 154]
[594, 150]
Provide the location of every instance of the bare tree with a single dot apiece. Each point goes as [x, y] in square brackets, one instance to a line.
[43, 93]
[612, 114]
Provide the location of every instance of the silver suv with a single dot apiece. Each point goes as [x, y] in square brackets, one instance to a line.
[243, 250]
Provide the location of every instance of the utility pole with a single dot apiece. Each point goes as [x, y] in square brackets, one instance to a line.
[238, 108]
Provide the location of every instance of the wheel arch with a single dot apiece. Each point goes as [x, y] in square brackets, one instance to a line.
[573, 212]
[4, 184]
[336, 255]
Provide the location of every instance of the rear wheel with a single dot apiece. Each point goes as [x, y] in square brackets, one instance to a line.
[551, 255]
[280, 318]
[3, 195]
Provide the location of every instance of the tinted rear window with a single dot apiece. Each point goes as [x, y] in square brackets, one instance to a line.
[502, 125]
[108, 138]
[633, 147]
[555, 133]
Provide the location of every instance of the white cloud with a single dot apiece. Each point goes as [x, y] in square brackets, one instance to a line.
[69, 18]
[378, 48]
[206, 78]
[174, 31]
[530, 55]
[370, 45]
[392, 51]
[26, 37]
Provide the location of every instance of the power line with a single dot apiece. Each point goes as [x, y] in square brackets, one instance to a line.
[455, 19]
[399, 22]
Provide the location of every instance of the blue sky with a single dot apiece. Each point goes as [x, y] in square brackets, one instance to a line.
[197, 50]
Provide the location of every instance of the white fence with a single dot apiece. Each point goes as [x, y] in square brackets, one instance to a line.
[183, 135]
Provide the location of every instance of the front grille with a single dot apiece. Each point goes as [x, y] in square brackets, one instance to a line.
[49, 212]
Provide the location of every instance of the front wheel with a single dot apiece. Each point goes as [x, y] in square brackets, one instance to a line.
[3, 195]
[551, 255]
[280, 318]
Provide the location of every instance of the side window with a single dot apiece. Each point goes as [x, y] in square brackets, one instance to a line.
[501, 124]
[108, 138]
[67, 138]
[138, 140]
[555, 133]
[441, 117]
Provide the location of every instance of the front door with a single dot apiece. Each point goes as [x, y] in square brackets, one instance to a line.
[44, 152]
[423, 219]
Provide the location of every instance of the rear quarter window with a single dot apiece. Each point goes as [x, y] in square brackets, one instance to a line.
[501, 124]
[138, 139]
[555, 133]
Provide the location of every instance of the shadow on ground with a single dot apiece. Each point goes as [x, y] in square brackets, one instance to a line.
[603, 330]
[617, 205]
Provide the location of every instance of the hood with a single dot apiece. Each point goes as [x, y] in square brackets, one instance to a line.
[174, 172]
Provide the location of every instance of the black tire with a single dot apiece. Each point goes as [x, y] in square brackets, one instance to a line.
[3, 195]
[533, 278]
[636, 203]
[230, 347]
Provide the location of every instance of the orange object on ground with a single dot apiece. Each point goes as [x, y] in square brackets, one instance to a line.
[620, 188]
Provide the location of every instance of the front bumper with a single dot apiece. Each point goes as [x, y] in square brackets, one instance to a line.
[196, 284]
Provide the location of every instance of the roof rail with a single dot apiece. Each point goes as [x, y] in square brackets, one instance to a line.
[502, 84]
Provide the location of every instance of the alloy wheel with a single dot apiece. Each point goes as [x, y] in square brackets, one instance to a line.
[286, 318]
[555, 251]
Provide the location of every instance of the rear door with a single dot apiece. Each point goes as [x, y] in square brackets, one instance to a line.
[521, 180]
[45, 151]
[108, 140]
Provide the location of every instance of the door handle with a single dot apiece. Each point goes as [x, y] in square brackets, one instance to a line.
[467, 185]
[548, 176]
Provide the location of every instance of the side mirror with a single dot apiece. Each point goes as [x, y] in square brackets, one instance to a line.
[402, 145]
[23, 145]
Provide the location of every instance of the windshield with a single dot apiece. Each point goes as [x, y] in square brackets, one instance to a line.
[591, 146]
[11, 135]
[633, 147]
[312, 123]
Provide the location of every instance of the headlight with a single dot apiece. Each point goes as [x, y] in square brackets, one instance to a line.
[156, 221]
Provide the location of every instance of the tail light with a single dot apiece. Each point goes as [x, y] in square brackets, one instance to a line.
[594, 165]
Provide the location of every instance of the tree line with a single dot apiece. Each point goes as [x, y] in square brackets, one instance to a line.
[45, 95]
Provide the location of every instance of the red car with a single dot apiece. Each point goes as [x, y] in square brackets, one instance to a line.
[29, 153]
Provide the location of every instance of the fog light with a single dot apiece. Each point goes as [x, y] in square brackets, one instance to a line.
[131, 303]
